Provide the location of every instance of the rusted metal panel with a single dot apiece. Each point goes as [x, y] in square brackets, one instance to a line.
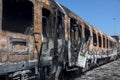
[5, 44]
[10, 61]
[38, 22]
[3, 47]
[17, 50]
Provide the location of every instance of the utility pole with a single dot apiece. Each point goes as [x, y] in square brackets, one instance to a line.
[114, 25]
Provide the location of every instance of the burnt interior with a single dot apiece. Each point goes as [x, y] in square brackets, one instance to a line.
[59, 25]
[107, 44]
[45, 21]
[75, 30]
[94, 39]
[17, 15]
[87, 33]
[104, 43]
[100, 42]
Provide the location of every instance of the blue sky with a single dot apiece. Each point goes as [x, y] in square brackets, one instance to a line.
[99, 13]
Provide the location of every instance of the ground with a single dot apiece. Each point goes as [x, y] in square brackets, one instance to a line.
[109, 71]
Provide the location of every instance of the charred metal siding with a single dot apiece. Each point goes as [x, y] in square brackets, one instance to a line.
[17, 50]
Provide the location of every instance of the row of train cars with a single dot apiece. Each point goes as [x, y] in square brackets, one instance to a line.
[41, 39]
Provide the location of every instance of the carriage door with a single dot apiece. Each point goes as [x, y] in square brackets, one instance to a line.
[53, 34]
[74, 42]
[47, 44]
[59, 33]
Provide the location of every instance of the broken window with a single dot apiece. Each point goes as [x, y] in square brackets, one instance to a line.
[87, 33]
[45, 21]
[59, 24]
[100, 40]
[104, 42]
[94, 39]
[17, 15]
[107, 43]
[75, 30]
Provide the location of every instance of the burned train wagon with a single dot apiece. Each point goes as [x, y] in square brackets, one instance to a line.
[43, 38]
[17, 44]
[32, 36]
[20, 41]
[87, 46]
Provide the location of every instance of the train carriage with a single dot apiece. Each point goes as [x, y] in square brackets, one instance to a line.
[16, 47]
[88, 42]
[32, 36]
[43, 39]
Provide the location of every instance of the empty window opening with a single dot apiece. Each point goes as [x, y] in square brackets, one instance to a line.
[87, 33]
[100, 40]
[59, 24]
[80, 31]
[17, 15]
[75, 30]
[94, 39]
[107, 43]
[104, 44]
[45, 21]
